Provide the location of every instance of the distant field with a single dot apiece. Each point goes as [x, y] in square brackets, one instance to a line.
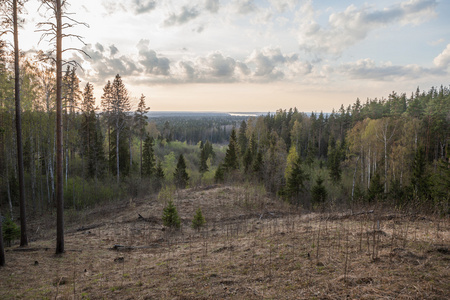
[252, 248]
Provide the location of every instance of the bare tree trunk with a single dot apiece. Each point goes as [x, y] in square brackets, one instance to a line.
[354, 178]
[59, 135]
[2, 248]
[23, 219]
[117, 151]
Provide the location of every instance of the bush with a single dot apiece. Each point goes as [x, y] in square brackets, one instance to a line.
[198, 220]
[170, 216]
[11, 231]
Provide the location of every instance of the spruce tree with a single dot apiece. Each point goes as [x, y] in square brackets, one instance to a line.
[203, 159]
[319, 192]
[296, 180]
[170, 216]
[231, 161]
[159, 176]
[198, 221]
[181, 177]
[148, 158]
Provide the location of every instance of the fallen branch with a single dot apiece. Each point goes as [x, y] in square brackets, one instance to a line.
[84, 228]
[129, 248]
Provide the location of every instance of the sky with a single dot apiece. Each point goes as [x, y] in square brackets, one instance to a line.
[256, 55]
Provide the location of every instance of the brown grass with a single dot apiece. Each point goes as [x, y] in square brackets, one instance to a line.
[252, 248]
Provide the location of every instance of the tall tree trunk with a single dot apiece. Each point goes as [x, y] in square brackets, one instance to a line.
[2, 249]
[23, 219]
[354, 179]
[117, 153]
[59, 135]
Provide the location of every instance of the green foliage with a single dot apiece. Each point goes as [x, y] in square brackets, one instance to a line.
[319, 192]
[148, 158]
[11, 231]
[376, 189]
[198, 221]
[296, 181]
[219, 175]
[181, 177]
[231, 161]
[420, 179]
[82, 193]
[170, 216]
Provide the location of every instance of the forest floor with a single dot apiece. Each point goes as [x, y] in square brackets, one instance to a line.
[253, 247]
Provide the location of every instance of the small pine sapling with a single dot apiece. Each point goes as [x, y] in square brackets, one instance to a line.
[11, 231]
[198, 220]
[170, 216]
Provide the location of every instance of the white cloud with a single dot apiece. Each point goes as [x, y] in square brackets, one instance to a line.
[283, 5]
[212, 6]
[443, 59]
[348, 27]
[368, 69]
[187, 14]
[153, 64]
[245, 7]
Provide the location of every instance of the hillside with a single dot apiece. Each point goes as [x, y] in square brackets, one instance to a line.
[252, 248]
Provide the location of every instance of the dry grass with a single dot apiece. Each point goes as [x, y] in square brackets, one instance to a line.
[253, 248]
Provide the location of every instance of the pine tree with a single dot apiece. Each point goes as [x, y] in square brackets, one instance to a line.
[198, 221]
[120, 106]
[141, 121]
[181, 177]
[170, 216]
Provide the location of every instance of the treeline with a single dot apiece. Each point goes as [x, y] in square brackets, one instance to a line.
[192, 129]
[393, 150]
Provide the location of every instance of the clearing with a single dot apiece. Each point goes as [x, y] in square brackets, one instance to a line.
[253, 247]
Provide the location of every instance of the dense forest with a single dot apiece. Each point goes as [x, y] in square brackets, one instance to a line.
[393, 149]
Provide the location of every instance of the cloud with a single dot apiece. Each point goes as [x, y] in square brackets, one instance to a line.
[144, 6]
[113, 50]
[147, 66]
[102, 67]
[268, 63]
[136, 6]
[368, 69]
[443, 59]
[212, 6]
[245, 7]
[151, 62]
[99, 47]
[283, 5]
[346, 28]
[186, 15]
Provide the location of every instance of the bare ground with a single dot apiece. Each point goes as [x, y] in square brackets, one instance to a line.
[252, 248]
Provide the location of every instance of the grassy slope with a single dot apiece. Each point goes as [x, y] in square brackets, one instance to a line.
[253, 248]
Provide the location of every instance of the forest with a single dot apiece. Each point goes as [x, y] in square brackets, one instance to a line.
[352, 203]
[392, 149]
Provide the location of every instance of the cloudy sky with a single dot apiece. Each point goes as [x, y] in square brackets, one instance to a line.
[258, 55]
